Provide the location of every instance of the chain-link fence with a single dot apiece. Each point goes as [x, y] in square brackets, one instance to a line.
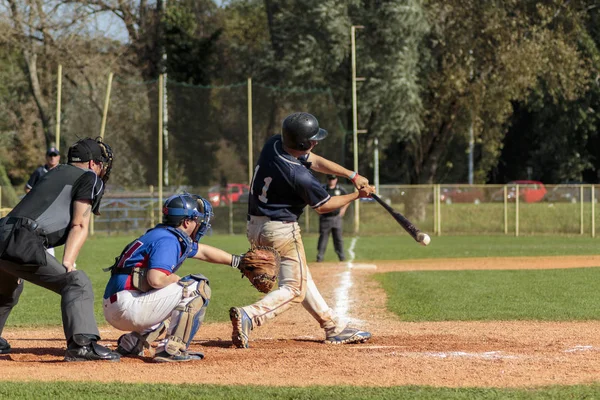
[437, 209]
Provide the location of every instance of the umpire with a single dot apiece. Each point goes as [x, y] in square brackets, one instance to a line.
[332, 222]
[57, 211]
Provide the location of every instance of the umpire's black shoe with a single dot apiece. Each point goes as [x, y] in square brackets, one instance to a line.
[4, 346]
[90, 352]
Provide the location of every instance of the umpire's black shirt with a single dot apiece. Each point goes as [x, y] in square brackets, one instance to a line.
[335, 191]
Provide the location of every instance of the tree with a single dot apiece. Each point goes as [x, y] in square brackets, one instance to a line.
[553, 136]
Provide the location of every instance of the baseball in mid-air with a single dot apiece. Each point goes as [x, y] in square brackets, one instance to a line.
[425, 240]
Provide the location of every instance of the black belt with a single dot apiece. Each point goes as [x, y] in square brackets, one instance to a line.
[24, 222]
[271, 220]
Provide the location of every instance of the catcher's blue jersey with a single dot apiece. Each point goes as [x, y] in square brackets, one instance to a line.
[156, 249]
[283, 185]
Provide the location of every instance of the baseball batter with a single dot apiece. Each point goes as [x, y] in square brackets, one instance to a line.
[281, 187]
[145, 295]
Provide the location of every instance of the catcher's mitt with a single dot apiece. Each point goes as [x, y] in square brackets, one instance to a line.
[261, 266]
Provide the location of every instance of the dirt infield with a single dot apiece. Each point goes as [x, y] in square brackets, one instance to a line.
[289, 352]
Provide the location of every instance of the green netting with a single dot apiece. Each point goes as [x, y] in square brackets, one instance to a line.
[207, 138]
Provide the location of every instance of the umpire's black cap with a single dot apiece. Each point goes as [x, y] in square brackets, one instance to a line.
[85, 150]
[331, 177]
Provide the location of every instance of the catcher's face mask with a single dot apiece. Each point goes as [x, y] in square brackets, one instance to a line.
[205, 213]
[107, 158]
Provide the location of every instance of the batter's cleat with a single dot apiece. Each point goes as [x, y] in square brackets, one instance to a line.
[242, 325]
[182, 356]
[349, 336]
[4, 346]
[90, 352]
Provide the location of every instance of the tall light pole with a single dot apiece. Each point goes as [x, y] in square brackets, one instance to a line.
[471, 134]
[162, 4]
[355, 130]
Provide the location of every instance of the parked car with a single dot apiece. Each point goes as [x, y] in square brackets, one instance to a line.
[219, 197]
[529, 191]
[570, 191]
[462, 195]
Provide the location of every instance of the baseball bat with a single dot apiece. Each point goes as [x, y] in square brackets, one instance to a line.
[408, 226]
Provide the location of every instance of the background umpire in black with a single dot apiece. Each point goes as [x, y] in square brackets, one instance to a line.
[55, 212]
[332, 222]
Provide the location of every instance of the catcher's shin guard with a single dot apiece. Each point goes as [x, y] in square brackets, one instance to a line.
[188, 318]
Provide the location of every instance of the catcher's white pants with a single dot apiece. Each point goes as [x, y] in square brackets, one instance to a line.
[295, 281]
[132, 310]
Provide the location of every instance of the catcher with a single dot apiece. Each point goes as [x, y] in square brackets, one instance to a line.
[281, 187]
[145, 295]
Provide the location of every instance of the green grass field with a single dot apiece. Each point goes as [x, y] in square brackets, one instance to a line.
[413, 296]
[84, 391]
[38, 307]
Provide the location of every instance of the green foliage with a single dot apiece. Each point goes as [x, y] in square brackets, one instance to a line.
[553, 133]
[493, 295]
[479, 58]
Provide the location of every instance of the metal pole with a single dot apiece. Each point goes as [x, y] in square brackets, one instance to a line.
[165, 127]
[505, 190]
[355, 126]
[230, 211]
[438, 203]
[376, 164]
[160, 139]
[471, 148]
[58, 106]
[165, 104]
[151, 187]
[581, 210]
[306, 222]
[517, 211]
[250, 154]
[593, 211]
[106, 103]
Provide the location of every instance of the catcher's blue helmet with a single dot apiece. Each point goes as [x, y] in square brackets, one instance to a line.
[188, 206]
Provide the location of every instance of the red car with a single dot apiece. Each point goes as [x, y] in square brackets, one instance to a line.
[219, 197]
[462, 195]
[529, 191]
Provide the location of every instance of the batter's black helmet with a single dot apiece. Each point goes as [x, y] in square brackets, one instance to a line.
[299, 129]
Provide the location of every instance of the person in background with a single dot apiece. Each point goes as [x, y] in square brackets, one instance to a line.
[52, 160]
[332, 222]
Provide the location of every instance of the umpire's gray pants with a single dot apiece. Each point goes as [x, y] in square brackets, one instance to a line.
[75, 289]
[333, 225]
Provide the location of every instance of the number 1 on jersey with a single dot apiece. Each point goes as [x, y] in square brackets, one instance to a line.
[263, 196]
[265, 188]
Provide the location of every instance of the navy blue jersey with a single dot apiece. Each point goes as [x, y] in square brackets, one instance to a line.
[36, 176]
[282, 185]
